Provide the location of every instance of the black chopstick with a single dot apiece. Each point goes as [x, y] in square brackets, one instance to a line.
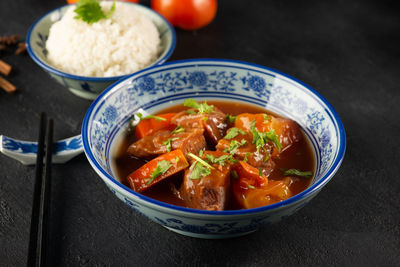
[37, 254]
[33, 235]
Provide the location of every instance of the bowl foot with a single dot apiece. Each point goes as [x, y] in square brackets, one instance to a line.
[85, 95]
[209, 236]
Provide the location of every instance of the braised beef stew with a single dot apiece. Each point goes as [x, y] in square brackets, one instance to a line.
[215, 156]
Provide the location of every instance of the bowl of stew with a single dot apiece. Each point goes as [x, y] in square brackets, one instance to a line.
[213, 148]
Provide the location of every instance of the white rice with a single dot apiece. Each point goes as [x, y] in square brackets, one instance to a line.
[125, 43]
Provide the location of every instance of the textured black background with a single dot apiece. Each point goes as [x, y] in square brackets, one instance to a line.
[347, 50]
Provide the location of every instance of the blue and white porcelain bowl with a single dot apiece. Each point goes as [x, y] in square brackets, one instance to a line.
[160, 86]
[82, 86]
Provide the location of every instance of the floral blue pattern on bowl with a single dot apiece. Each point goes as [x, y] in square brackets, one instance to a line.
[25, 151]
[89, 87]
[160, 86]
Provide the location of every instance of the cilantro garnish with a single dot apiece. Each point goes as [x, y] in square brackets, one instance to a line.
[162, 167]
[260, 139]
[157, 118]
[198, 171]
[200, 168]
[296, 172]
[260, 172]
[248, 154]
[266, 158]
[230, 118]
[90, 11]
[202, 108]
[231, 159]
[266, 117]
[251, 186]
[271, 135]
[233, 132]
[168, 143]
[234, 145]
[177, 159]
[220, 160]
[178, 129]
[204, 163]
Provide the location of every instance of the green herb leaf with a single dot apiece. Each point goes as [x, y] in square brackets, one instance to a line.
[274, 138]
[178, 129]
[201, 152]
[230, 118]
[251, 186]
[266, 117]
[296, 172]
[202, 108]
[234, 145]
[233, 132]
[198, 171]
[168, 143]
[220, 160]
[204, 163]
[190, 112]
[112, 10]
[155, 117]
[90, 11]
[260, 139]
[162, 167]
[140, 115]
[248, 154]
[231, 159]
[266, 158]
[260, 172]
[200, 168]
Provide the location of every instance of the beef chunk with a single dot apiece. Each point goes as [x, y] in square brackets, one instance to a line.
[215, 127]
[187, 120]
[191, 140]
[213, 123]
[210, 192]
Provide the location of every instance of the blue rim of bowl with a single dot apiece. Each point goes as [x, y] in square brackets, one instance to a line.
[302, 195]
[51, 69]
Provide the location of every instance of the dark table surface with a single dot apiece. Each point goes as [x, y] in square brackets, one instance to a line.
[347, 50]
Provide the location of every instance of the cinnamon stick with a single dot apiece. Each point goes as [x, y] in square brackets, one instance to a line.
[7, 86]
[21, 48]
[5, 68]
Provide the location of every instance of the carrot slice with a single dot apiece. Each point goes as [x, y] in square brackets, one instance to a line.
[258, 197]
[249, 175]
[157, 170]
[149, 126]
[252, 190]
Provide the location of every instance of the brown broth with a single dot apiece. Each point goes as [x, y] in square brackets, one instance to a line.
[298, 156]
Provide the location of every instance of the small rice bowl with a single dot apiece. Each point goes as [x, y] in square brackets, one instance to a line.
[126, 42]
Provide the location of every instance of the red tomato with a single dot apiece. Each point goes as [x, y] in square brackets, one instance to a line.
[186, 14]
[76, 1]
